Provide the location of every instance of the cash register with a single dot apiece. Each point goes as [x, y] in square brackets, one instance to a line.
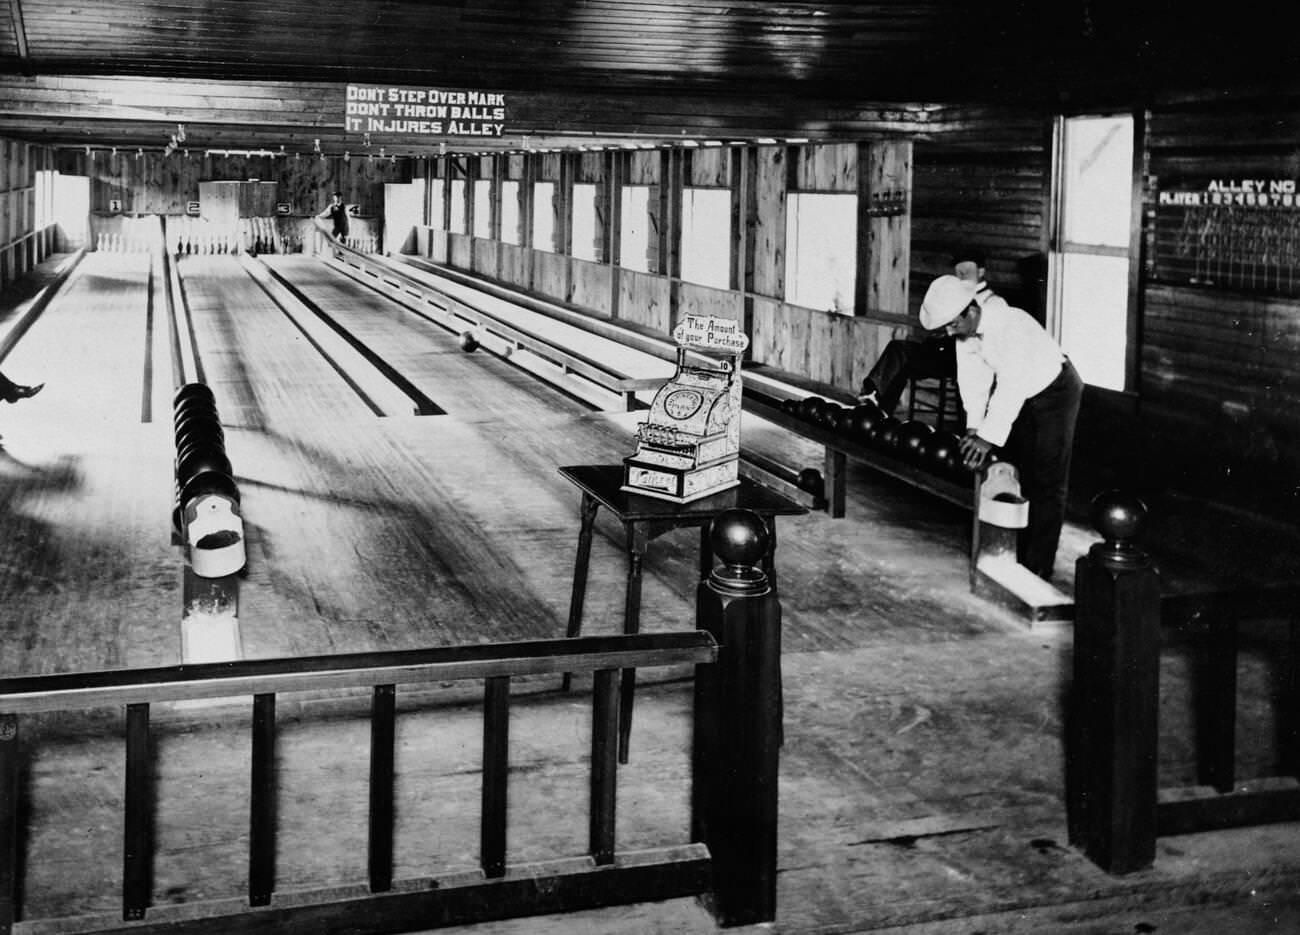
[689, 445]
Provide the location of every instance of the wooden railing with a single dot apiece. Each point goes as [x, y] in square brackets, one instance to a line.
[572, 371]
[668, 873]
[1114, 804]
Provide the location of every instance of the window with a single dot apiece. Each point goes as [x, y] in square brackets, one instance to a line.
[635, 245]
[1089, 306]
[544, 216]
[706, 236]
[821, 246]
[457, 196]
[483, 208]
[586, 233]
[510, 232]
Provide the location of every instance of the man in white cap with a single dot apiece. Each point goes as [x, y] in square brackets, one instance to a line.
[904, 359]
[1020, 392]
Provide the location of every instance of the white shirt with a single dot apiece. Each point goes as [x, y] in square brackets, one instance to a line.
[1009, 359]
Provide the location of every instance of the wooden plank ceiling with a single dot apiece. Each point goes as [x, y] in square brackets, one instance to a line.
[237, 74]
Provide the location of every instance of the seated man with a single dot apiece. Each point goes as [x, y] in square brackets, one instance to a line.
[933, 357]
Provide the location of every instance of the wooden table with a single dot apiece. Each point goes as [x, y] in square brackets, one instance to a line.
[646, 518]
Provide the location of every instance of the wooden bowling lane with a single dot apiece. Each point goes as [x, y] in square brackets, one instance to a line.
[469, 386]
[238, 330]
[370, 533]
[88, 578]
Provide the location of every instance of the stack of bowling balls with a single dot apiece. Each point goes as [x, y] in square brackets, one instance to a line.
[917, 443]
[201, 463]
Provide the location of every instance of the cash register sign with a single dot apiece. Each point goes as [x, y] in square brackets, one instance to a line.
[689, 445]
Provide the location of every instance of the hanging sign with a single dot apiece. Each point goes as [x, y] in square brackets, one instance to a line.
[1228, 232]
[411, 112]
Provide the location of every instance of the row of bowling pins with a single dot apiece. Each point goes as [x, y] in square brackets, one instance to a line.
[362, 244]
[121, 243]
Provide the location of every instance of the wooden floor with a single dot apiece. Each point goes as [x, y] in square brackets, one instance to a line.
[921, 774]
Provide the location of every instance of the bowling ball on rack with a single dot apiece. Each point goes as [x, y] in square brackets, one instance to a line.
[940, 451]
[193, 391]
[198, 458]
[468, 342]
[886, 437]
[842, 421]
[827, 414]
[810, 479]
[808, 407]
[865, 419]
[209, 482]
[790, 407]
[912, 439]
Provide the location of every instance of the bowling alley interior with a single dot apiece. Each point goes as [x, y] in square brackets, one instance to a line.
[452, 478]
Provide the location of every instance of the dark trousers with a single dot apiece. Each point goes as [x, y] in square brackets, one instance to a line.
[1040, 445]
[905, 360]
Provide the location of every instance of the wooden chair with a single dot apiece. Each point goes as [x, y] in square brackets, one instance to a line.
[935, 400]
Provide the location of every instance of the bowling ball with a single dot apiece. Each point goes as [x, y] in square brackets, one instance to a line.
[808, 407]
[209, 482]
[886, 437]
[865, 420]
[810, 479]
[195, 445]
[912, 439]
[192, 391]
[468, 343]
[939, 451]
[199, 460]
[790, 407]
[842, 421]
[827, 414]
[197, 423]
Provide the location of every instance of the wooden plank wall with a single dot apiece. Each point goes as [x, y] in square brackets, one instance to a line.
[817, 344]
[985, 180]
[1220, 378]
[151, 183]
[22, 246]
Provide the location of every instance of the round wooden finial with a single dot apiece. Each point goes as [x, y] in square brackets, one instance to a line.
[740, 539]
[1118, 516]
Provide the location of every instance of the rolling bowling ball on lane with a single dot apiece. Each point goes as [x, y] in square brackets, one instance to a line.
[912, 438]
[810, 479]
[468, 343]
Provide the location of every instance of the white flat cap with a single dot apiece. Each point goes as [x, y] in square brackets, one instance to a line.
[946, 298]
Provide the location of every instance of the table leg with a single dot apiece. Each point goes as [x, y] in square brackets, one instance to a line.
[579, 594]
[637, 539]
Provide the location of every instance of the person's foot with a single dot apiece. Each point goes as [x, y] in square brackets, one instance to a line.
[27, 392]
[869, 393]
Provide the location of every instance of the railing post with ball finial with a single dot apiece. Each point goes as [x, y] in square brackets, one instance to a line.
[737, 736]
[1111, 732]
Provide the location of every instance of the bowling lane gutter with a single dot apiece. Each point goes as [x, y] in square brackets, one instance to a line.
[424, 406]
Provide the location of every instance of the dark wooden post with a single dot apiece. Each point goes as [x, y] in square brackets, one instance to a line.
[738, 723]
[1110, 771]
